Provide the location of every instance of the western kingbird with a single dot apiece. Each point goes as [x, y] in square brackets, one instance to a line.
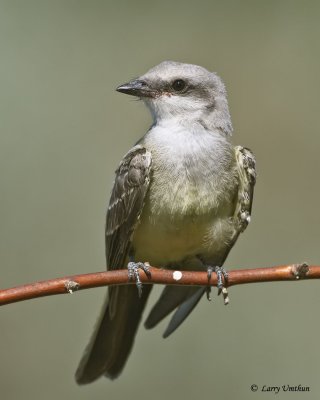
[180, 199]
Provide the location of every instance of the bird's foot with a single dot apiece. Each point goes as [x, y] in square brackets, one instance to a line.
[133, 273]
[220, 271]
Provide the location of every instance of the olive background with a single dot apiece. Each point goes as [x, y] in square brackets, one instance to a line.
[63, 131]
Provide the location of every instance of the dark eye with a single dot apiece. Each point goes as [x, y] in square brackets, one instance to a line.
[178, 85]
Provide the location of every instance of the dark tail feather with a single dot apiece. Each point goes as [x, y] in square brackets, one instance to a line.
[171, 297]
[183, 311]
[112, 340]
[186, 298]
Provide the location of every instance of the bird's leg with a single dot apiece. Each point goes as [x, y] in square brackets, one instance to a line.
[133, 272]
[220, 271]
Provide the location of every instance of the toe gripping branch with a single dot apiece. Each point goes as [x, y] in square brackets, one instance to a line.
[220, 271]
[133, 273]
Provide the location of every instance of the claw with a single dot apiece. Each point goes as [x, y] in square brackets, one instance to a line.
[208, 289]
[225, 295]
[133, 273]
[221, 289]
[220, 272]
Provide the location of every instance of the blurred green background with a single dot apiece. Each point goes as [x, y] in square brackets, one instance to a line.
[63, 131]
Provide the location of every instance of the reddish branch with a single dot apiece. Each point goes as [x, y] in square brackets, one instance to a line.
[73, 283]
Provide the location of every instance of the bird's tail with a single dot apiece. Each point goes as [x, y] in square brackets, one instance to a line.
[183, 298]
[113, 337]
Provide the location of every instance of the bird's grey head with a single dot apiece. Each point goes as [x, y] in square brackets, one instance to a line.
[188, 93]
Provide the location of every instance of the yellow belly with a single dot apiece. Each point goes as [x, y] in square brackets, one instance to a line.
[162, 240]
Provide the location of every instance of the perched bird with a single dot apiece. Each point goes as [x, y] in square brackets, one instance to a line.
[181, 197]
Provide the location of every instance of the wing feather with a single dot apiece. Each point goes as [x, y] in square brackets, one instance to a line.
[246, 165]
[126, 204]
